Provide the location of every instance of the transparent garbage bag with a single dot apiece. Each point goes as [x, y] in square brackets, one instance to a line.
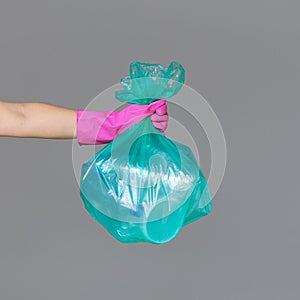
[144, 187]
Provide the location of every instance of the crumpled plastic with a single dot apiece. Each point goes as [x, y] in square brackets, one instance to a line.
[144, 187]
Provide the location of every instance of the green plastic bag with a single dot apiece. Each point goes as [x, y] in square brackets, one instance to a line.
[144, 187]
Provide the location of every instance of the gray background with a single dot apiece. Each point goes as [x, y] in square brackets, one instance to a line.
[243, 57]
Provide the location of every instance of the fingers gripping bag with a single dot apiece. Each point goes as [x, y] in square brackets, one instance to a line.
[144, 187]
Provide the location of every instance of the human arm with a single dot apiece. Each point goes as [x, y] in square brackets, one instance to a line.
[41, 120]
[37, 120]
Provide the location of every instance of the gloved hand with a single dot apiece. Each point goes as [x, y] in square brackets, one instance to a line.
[102, 127]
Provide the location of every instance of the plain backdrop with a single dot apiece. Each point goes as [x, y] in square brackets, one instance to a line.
[243, 57]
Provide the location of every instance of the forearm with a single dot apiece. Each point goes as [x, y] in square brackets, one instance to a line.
[37, 120]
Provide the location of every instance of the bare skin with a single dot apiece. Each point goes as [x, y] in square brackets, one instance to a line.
[37, 120]
[41, 120]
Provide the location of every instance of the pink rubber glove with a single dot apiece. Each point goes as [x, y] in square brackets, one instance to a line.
[102, 127]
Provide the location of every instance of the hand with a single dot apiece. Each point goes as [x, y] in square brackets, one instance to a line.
[133, 113]
[160, 118]
[103, 127]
